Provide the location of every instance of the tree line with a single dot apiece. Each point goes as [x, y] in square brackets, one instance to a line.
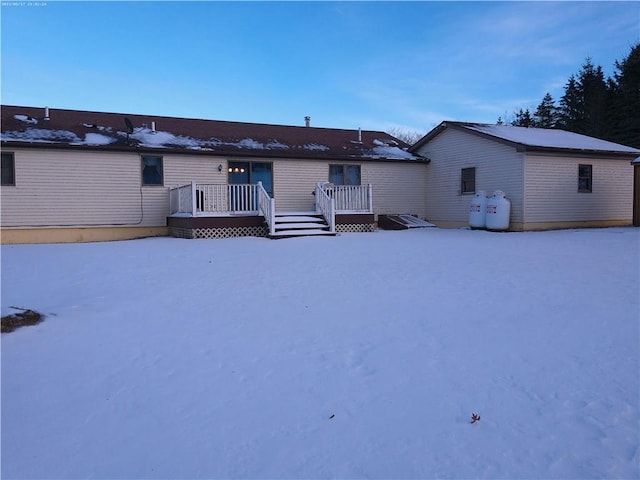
[606, 108]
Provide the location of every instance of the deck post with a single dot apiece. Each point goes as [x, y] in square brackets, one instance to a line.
[193, 199]
[370, 190]
[272, 213]
[332, 215]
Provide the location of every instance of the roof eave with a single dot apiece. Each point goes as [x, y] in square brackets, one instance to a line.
[292, 154]
[578, 151]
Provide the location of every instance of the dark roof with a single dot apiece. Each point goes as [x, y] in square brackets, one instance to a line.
[533, 139]
[27, 126]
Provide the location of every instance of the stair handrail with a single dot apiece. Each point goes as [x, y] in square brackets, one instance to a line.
[325, 205]
[267, 208]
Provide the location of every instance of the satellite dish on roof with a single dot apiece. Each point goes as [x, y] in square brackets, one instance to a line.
[129, 125]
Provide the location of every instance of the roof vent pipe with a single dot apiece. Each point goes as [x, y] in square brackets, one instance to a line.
[359, 135]
[307, 121]
[46, 113]
[153, 127]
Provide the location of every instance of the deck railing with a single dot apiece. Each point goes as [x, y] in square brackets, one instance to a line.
[326, 206]
[198, 199]
[180, 199]
[350, 198]
[267, 207]
[204, 199]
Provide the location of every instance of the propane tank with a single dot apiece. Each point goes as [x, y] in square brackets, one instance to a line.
[478, 210]
[498, 212]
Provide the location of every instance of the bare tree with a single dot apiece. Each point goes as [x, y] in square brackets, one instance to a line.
[407, 136]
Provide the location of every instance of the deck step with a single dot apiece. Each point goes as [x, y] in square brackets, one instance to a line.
[305, 213]
[301, 233]
[300, 225]
[293, 219]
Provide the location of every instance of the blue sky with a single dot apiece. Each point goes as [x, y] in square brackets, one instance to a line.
[374, 65]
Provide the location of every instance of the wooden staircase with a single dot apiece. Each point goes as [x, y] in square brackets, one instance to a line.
[300, 224]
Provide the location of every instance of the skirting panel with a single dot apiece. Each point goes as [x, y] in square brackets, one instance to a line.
[355, 228]
[223, 232]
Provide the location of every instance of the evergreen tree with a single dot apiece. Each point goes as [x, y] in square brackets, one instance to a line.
[594, 100]
[546, 115]
[592, 105]
[523, 119]
[571, 114]
[624, 114]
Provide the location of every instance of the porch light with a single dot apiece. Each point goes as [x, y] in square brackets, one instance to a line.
[230, 169]
[220, 167]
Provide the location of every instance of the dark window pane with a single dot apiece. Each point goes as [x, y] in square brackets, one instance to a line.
[353, 175]
[261, 172]
[584, 178]
[468, 180]
[152, 170]
[8, 171]
[344, 174]
[336, 174]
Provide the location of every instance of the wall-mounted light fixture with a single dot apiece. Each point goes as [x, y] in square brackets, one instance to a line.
[220, 168]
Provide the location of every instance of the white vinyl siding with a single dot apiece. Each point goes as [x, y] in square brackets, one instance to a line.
[397, 187]
[64, 188]
[294, 181]
[183, 169]
[86, 188]
[498, 167]
[552, 189]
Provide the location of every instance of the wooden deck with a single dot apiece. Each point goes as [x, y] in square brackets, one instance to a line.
[215, 211]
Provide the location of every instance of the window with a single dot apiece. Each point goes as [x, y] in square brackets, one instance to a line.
[468, 180]
[152, 170]
[344, 174]
[584, 178]
[8, 169]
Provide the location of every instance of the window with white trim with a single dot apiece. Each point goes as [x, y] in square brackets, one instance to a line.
[585, 177]
[152, 173]
[468, 181]
[344, 174]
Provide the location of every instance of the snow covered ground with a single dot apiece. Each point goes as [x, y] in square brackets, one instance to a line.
[358, 356]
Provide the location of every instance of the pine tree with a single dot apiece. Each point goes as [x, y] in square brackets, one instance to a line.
[546, 115]
[624, 115]
[571, 114]
[594, 99]
[592, 105]
[523, 119]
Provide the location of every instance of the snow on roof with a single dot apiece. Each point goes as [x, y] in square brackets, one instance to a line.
[27, 125]
[315, 146]
[97, 139]
[548, 138]
[26, 119]
[41, 135]
[388, 152]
